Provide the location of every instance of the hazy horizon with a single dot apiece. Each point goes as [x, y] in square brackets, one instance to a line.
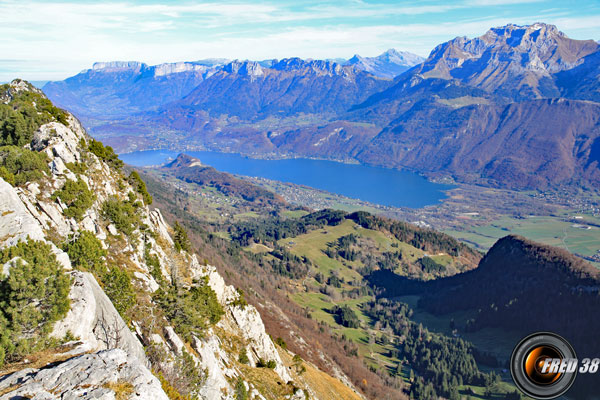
[54, 40]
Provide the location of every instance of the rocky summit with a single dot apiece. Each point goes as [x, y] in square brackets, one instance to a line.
[515, 61]
[388, 64]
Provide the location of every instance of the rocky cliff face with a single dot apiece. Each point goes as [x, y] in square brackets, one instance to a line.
[517, 62]
[104, 351]
[288, 88]
[124, 87]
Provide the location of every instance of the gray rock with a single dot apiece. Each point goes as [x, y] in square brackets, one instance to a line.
[214, 359]
[58, 141]
[16, 223]
[175, 343]
[95, 321]
[160, 226]
[54, 213]
[148, 281]
[112, 230]
[85, 377]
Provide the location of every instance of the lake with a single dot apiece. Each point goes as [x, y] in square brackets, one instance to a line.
[376, 185]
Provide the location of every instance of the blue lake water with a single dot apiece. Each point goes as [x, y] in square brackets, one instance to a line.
[377, 185]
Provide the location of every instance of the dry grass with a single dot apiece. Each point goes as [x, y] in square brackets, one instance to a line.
[266, 381]
[9, 389]
[122, 389]
[39, 359]
[324, 386]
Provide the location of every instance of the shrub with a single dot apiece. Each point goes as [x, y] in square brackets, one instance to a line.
[153, 264]
[243, 358]
[77, 167]
[15, 130]
[281, 343]
[105, 153]
[240, 301]
[118, 288]
[181, 378]
[22, 165]
[7, 175]
[190, 311]
[32, 298]
[271, 364]
[25, 113]
[170, 391]
[77, 196]
[240, 390]
[140, 186]
[123, 214]
[86, 253]
[181, 238]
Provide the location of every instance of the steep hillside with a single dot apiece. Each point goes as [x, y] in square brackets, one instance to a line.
[115, 291]
[520, 287]
[533, 144]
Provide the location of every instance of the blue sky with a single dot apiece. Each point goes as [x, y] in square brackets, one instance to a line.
[56, 39]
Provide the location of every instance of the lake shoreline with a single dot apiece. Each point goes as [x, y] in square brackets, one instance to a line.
[374, 184]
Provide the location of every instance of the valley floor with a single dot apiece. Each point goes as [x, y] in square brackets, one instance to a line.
[479, 216]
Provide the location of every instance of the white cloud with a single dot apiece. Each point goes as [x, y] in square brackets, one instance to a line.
[57, 39]
[502, 2]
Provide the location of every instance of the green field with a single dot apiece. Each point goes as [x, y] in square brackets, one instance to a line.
[549, 230]
[294, 213]
[258, 248]
[320, 306]
[312, 244]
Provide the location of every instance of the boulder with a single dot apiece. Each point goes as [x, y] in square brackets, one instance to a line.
[94, 320]
[90, 376]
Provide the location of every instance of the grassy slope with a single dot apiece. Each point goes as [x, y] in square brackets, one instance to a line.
[312, 244]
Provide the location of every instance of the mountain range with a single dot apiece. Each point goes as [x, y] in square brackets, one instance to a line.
[121, 88]
[517, 107]
[105, 295]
